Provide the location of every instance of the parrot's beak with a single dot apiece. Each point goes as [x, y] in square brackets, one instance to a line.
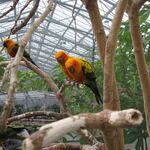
[71, 69]
[4, 44]
[61, 60]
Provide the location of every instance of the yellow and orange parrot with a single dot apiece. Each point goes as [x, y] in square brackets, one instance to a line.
[12, 48]
[83, 72]
[61, 58]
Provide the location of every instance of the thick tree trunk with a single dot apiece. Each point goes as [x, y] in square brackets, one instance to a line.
[133, 12]
[111, 97]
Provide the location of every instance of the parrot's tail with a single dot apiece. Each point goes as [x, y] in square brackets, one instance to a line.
[29, 59]
[94, 88]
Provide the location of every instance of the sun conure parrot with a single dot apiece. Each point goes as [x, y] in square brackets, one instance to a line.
[83, 72]
[12, 48]
[61, 58]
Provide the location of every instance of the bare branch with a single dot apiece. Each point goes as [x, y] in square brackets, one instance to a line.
[102, 120]
[133, 13]
[50, 82]
[65, 146]
[9, 10]
[111, 96]
[37, 113]
[26, 20]
[5, 76]
[70, 82]
[96, 20]
[110, 53]
[18, 17]
[9, 101]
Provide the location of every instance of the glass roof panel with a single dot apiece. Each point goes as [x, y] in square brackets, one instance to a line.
[59, 31]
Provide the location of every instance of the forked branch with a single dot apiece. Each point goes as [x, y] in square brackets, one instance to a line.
[102, 120]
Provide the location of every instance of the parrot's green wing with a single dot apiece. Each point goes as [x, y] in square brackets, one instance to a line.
[88, 72]
[15, 49]
[25, 54]
[87, 69]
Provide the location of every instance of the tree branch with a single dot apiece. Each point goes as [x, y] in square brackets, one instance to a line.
[65, 146]
[9, 10]
[26, 20]
[102, 120]
[70, 82]
[50, 82]
[37, 113]
[133, 13]
[5, 75]
[9, 101]
[111, 96]
[110, 53]
[96, 20]
[18, 17]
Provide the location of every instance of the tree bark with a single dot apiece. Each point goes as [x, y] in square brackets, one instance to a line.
[96, 20]
[102, 120]
[133, 13]
[113, 138]
[111, 96]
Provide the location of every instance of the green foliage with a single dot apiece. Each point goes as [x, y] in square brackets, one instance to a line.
[128, 79]
[30, 81]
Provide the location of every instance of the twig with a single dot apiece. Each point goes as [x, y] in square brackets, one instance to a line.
[37, 113]
[102, 120]
[26, 20]
[67, 83]
[18, 17]
[11, 8]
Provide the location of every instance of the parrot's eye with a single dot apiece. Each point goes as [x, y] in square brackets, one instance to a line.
[71, 69]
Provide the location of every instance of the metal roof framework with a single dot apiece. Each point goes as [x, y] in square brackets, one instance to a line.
[59, 31]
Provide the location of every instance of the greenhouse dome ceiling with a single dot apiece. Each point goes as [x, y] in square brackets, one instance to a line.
[67, 28]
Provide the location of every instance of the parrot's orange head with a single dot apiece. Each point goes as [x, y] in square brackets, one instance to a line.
[61, 57]
[73, 65]
[8, 43]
